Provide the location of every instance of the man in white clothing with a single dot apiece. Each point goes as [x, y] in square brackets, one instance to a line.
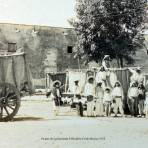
[133, 99]
[89, 92]
[137, 75]
[76, 89]
[77, 97]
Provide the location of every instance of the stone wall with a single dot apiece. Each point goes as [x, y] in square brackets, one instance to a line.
[46, 47]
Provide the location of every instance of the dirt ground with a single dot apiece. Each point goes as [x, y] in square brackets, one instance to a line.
[35, 126]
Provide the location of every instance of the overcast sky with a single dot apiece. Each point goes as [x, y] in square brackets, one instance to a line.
[37, 12]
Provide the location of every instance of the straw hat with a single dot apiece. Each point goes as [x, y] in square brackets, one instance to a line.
[56, 82]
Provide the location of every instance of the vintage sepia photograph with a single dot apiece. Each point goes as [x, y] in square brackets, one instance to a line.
[73, 74]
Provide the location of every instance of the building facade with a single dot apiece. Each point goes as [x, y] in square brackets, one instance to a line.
[48, 49]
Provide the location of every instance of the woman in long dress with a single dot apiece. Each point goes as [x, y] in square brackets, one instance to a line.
[99, 99]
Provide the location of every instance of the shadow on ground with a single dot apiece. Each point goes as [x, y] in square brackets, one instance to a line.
[28, 119]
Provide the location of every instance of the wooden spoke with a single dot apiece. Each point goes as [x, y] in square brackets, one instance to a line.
[12, 97]
[10, 107]
[9, 101]
[6, 111]
[1, 113]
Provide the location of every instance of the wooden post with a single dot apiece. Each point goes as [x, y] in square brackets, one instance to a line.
[67, 74]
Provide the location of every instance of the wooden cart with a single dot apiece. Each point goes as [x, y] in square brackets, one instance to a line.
[14, 77]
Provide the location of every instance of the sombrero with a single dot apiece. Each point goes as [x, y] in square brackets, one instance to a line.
[56, 82]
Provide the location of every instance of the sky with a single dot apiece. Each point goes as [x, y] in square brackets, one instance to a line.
[37, 12]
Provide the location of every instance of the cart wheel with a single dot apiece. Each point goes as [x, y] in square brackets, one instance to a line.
[9, 101]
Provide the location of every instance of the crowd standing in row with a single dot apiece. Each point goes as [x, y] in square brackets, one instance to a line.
[104, 99]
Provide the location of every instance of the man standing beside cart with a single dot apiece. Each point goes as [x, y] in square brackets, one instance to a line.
[57, 96]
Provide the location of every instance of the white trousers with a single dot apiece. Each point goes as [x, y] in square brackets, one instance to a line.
[55, 109]
[99, 107]
[119, 105]
[146, 111]
[90, 108]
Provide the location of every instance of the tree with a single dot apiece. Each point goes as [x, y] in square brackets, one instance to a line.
[111, 27]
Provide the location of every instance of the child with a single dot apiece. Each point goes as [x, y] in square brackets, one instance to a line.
[146, 105]
[117, 94]
[107, 101]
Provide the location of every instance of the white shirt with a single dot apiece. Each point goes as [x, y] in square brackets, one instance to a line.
[76, 89]
[107, 97]
[133, 92]
[99, 92]
[101, 75]
[136, 77]
[89, 89]
[146, 99]
[58, 92]
[117, 92]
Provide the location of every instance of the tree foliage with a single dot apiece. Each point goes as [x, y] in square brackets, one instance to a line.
[111, 27]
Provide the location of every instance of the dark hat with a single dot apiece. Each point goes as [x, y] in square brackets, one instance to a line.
[76, 81]
[117, 83]
[90, 78]
[107, 89]
[102, 68]
[138, 69]
[100, 82]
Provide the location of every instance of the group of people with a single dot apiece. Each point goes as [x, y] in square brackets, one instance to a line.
[102, 99]
[105, 100]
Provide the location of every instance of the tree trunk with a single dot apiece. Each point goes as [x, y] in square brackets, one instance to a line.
[118, 62]
[121, 61]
